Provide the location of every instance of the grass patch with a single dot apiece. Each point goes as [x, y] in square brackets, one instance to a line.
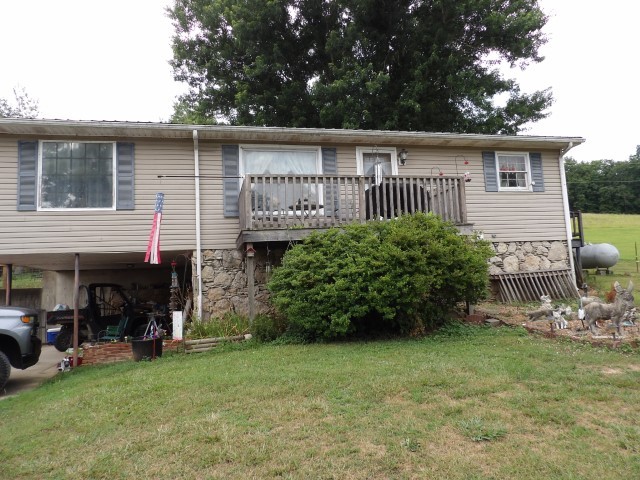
[479, 431]
[468, 402]
[620, 231]
[28, 279]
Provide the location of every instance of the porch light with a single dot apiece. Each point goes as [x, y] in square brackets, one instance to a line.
[402, 157]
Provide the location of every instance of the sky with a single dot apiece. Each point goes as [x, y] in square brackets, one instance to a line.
[96, 60]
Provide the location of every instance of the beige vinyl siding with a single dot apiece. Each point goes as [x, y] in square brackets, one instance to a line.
[217, 231]
[510, 216]
[346, 159]
[518, 216]
[104, 231]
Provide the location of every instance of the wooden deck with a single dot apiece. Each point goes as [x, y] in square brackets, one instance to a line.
[281, 208]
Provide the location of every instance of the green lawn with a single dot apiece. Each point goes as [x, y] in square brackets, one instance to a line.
[621, 231]
[466, 403]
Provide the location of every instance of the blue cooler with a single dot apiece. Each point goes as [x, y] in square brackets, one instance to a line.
[52, 333]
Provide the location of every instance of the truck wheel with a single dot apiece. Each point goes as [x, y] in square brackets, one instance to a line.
[63, 341]
[5, 370]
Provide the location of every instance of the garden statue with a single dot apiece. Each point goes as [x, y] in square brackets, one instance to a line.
[621, 310]
[558, 317]
[554, 315]
[544, 310]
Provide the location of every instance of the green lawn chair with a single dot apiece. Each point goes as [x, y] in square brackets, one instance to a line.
[113, 332]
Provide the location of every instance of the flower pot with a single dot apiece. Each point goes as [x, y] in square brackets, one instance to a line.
[146, 348]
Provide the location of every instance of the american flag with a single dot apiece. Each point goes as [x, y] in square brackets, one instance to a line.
[153, 247]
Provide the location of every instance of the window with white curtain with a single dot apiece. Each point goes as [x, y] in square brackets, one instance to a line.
[290, 161]
[513, 170]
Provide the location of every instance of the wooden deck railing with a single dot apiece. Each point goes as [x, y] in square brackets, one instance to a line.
[323, 201]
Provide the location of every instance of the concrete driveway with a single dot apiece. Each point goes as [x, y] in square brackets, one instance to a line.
[22, 380]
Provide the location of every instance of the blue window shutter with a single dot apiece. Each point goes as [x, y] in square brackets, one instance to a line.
[231, 182]
[125, 194]
[490, 173]
[330, 167]
[329, 161]
[537, 176]
[27, 175]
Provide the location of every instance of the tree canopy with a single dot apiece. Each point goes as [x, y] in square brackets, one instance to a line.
[22, 105]
[604, 186]
[369, 64]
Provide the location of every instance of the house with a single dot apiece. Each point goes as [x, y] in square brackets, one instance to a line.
[235, 197]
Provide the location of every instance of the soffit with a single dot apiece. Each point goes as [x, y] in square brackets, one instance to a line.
[88, 260]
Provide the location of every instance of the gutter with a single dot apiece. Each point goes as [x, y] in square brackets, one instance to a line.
[238, 134]
[196, 164]
[565, 204]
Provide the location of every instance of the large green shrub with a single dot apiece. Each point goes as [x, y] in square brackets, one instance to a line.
[402, 275]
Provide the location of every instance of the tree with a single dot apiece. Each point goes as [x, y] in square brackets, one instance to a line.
[370, 64]
[23, 105]
[604, 186]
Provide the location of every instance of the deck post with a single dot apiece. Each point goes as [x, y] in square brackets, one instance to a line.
[251, 280]
[7, 273]
[361, 200]
[76, 309]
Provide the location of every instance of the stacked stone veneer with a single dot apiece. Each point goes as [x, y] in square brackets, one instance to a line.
[512, 257]
[225, 285]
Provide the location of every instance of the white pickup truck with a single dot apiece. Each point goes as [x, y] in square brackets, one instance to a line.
[20, 346]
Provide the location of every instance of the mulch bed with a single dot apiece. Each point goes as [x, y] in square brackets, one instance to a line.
[517, 316]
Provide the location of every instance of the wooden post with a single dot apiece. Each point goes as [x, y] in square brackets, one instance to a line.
[462, 204]
[8, 280]
[361, 199]
[76, 302]
[251, 280]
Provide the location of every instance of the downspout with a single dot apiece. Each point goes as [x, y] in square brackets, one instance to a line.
[196, 163]
[565, 204]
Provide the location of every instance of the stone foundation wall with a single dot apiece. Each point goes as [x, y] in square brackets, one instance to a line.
[511, 257]
[224, 281]
[225, 286]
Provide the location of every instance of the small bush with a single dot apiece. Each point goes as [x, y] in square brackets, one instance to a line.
[290, 337]
[479, 431]
[267, 328]
[231, 324]
[397, 276]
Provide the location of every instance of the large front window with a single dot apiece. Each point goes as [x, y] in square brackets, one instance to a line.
[77, 175]
[281, 161]
[288, 194]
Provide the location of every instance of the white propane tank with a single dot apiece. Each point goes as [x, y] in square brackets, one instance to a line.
[599, 255]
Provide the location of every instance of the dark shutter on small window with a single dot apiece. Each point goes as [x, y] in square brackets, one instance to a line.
[27, 175]
[537, 177]
[490, 173]
[329, 161]
[330, 167]
[231, 182]
[125, 195]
